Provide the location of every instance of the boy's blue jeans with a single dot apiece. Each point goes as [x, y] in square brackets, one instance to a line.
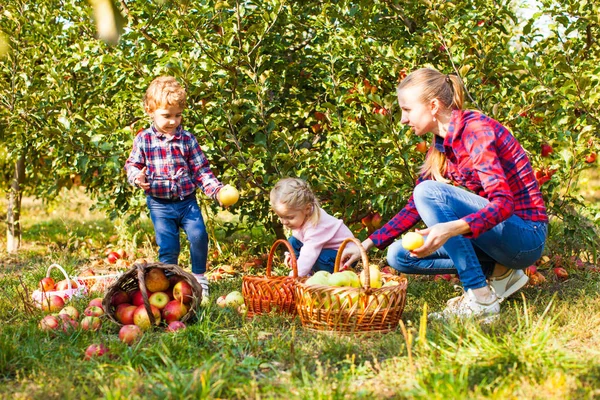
[514, 243]
[326, 260]
[168, 217]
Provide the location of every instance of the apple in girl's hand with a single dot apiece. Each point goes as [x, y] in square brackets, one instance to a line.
[52, 303]
[159, 300]
[228, 195]
[95, 350]
[47, 284]
[129, 334]
[90, 323]
[175, 326]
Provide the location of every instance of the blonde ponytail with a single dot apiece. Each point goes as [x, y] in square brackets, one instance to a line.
[295, 194]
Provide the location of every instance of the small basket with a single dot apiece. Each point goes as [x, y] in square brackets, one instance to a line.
[263, 294]
[135, 279]
[348, 309]
[39, 296]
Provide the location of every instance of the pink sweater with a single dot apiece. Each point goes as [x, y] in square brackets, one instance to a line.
[329, 233]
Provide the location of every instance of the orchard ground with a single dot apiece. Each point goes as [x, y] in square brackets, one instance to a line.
[545, 345]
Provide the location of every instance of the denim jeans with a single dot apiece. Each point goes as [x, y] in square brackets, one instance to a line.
[514, 243]
[326, 260]
[168, 217]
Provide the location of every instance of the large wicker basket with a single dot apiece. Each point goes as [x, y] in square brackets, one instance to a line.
[134, 279]
[263, 294]
[348, 309]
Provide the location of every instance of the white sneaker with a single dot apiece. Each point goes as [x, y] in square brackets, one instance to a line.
[204, 284]
[467, 306]
[510, 283]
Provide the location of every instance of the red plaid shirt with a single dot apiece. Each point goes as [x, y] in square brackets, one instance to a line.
[176, 165]
[485, 158]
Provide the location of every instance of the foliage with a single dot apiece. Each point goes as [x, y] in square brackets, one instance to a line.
[282, 88]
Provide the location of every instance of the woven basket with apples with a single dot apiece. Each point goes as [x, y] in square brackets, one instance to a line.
[263, 294]
[346, 302]
[45, 296]
[150, 294]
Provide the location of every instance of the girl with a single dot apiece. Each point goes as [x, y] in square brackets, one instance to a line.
[496, 228]
[316, 235]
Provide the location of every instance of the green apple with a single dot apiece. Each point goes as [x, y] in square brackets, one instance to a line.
[339, 279]
[234, 299]
[352, 278]
[317, 279]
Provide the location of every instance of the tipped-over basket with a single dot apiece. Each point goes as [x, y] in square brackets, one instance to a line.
[349, 309]
[263, 294]
[135, 279]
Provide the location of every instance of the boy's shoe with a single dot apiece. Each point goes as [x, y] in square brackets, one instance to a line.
[204, 284]
[467, 306]
[509, 283]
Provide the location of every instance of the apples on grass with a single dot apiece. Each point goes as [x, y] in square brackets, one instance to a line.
[90, 323]
[95, 350]
[129, 334]
[175, 326]
[52, 303]
[71, 311]
[50, 323]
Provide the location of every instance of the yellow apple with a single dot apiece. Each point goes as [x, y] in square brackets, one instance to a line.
[374, 276]
[412, 240]
[228, 195]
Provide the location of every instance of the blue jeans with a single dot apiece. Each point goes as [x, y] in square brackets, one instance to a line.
[326, 260]
[168, 217]
[514, 243]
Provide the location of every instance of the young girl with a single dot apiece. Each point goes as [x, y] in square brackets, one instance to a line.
[316, 235]
[476, 193]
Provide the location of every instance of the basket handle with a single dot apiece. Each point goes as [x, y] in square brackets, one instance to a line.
[51, 267]
[363, 254]
[141, 267]
[292, 257]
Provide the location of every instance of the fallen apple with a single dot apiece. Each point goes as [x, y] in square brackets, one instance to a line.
[96, 302]
[234, 299]
[95, 350]
[50, 323]
[221, 302]
[52, 303]
[129, 334]
[71, 311]
[175, 326]
[90, 323]
[112, 257]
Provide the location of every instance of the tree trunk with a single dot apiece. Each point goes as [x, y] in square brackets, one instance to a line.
[13, 215]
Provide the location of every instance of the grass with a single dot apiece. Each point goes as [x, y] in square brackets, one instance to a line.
[545, 346]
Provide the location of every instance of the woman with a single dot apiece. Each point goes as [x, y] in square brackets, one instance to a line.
[476, 193]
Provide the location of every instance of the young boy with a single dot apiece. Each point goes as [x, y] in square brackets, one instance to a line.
[168, 164]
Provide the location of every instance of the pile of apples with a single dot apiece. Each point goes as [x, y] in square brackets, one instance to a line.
[169, 300]
[68, 317]
[350, 299]
[233, 299]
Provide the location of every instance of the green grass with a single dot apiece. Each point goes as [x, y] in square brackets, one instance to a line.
[545, 346]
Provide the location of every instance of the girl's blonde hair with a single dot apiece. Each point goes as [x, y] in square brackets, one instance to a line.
[448, 89]
[164, 91]
[295, 194]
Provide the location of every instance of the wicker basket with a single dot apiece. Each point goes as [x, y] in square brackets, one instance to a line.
[348, 309]
[263, 294]
[134, 279]
[39, 296]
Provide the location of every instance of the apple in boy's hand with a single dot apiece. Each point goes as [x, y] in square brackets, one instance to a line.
[228, 195]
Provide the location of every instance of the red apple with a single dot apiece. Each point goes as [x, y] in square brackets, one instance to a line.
[124, 313]
[590, 158]
[121, 253]
[422, 147]
[156, 280]
[70, 311]
[129, 334]
[142, 319]
[119, 297]
[95, 350]
[50, 323]
[89, 323]
[64, 284]
[561, 273]
[319, 116]
[47, 284]
[221, 302]
[175, 326]
[531, 270]
[546, 150]
[69, 325]
[96, 302]
[367, 220]
[182, 291]
[159, 300]
[173, 279]
[94, 311]
[136, 297]
[52, 303]
[112, 257]
[316, 128]
[376, 220]
[174, 311]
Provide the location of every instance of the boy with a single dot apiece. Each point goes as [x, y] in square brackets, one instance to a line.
[168, 164]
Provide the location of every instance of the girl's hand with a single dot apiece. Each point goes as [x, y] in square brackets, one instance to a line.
[351, 253]
[287, 260]
[141, 180]
[437, 235]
